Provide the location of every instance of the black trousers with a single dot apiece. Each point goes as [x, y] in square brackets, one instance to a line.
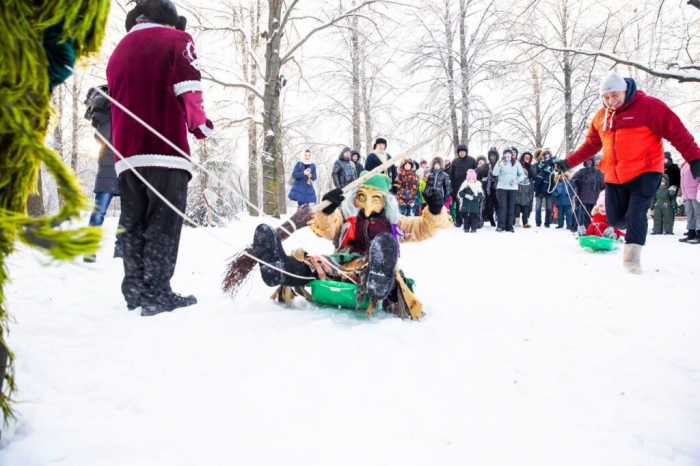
[470, 221]
[626, 205]
[506, 207]
[152, 230]
[525, 210]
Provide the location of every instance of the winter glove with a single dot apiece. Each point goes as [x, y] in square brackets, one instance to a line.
[435, 202]
[562, 166]
[335, 197]
[695, 168]
[468, 196]
[672, 190]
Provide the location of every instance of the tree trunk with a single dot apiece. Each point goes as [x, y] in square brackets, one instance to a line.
[58, 140]
[251, 73]
[537, 104]
[75, 137]
[464, 70]
[356, 103]
[449, 71]
[271, 116]
[365, 95]
[35, 202]
[568, 71]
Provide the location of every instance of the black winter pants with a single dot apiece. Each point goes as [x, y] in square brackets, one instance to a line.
[506, 207]
[626, 205]
[523, 210]
[152, 233]
[470, 221]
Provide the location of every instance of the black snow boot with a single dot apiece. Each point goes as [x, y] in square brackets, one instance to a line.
[383, 254]
[691, 235]
[167, 304]
[268, 247]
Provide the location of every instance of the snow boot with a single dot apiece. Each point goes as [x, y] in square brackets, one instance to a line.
[167, 304]
[268, 247]
[118, 253]
[383, 255]
[691, 236]
[527, 225]
[91, 259]
[610, 233]
[631, 258]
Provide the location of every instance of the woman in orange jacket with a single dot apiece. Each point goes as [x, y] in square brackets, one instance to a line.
[629, 129]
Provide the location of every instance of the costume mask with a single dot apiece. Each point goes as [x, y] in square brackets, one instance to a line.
[369, 200]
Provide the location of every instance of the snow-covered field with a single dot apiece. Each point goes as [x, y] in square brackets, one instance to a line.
[533, 352]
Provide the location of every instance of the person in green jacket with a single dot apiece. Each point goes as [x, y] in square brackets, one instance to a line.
[664, 204]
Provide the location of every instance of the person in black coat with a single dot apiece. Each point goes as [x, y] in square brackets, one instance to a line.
[438, 181]
[458, 173]
[344, 171]
[99, 113]
[672, 170]
[378, 156]
[489, 183]
[357, 160]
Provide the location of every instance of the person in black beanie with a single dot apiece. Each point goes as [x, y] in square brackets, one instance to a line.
[458, 174]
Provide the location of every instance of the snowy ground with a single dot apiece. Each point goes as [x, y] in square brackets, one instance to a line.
[534, 352]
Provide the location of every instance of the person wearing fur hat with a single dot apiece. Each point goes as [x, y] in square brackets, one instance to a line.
[438, 181]
[469, 196]
[509, 173]
[344, 171]
[408, 189]
[458, 173]
[630, 129]
[357, 160]
[526, 192]
[378, 156]
[663, 204]
[304, 174]
[366, 229]
[588, 183]
[599, 225]
[489, 181]
[544, 186]
[154, 72]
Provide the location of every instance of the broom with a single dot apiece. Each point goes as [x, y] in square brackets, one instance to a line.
[243, 262]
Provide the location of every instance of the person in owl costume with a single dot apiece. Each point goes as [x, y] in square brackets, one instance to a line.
[367, 230]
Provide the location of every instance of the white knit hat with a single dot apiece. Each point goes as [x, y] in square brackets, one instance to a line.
[613, 82]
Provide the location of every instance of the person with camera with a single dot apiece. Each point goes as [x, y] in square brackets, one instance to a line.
[509, 173]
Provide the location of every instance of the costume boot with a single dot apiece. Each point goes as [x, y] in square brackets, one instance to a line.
[268, 248]
[383, 254]
[631, 258]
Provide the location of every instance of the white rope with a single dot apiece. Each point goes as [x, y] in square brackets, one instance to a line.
[205, 170]
[184, 216]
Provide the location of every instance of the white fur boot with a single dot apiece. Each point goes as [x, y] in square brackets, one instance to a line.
[631, 258]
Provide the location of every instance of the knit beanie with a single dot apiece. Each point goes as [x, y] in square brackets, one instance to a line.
[613, 82]
[601, 199]
[471, 176]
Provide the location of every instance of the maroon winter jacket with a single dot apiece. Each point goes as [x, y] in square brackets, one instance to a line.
[154, 73]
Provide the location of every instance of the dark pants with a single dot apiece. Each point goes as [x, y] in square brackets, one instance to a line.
[663, 218]
[97, 218]
[470, 221]
[506, 207]
[523, 210]
[585, 218]
[626, 205]
[547, 201]
[490, 207]
[151, 235]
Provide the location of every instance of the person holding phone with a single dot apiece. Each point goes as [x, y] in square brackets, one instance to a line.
[304, 175]
[509, 173]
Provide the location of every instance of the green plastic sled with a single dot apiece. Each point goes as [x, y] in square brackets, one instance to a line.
[339, 294]
[598, 243]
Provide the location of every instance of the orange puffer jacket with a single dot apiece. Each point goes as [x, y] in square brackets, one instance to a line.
[631, 139]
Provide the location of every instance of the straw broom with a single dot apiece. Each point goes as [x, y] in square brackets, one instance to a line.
[242, 264]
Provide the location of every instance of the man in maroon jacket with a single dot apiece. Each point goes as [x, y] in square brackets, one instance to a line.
[630, 129]
[154, 73]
